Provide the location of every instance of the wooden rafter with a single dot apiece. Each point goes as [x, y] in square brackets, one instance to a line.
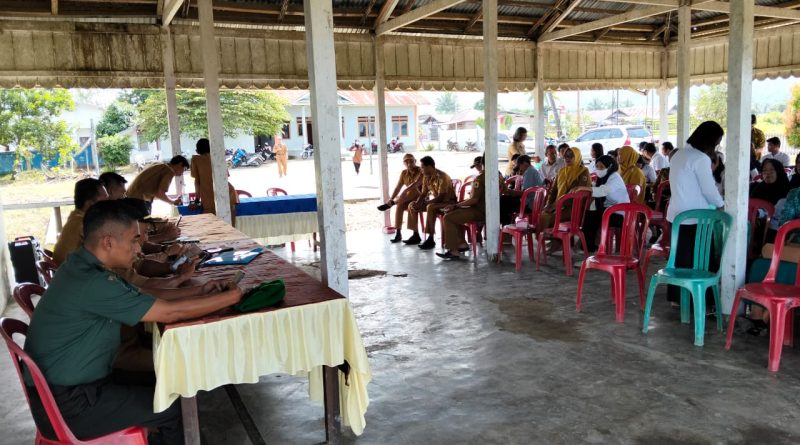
[758, 11]
[600, 34]
[561, 16]
[160, 8]
[415, 15]
[368, 11]
[543, 19]
[284, 7]
[54, 7]
[629, 16]
[171, 7]
[474, 19]
[408, 6]
[668, 29]
[386, 11]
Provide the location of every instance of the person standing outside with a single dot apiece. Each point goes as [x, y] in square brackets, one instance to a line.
[281, 155]
[517, 147]
[757, 137]
[358, 156]
[411, 179]
[204, 180]
[154, 182]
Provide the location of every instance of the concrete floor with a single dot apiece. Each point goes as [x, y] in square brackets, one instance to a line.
[475, 353]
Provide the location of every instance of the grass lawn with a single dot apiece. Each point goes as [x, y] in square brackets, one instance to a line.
[32, 187]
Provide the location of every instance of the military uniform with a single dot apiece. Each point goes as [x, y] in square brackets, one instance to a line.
[409, 195]
[71, 237]
[440, 186]
[455, 219]
[74, 336]
[282, 157]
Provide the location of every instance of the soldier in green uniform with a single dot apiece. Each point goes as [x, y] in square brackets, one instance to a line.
[74, 334]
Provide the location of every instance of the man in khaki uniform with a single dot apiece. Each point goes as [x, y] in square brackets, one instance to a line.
[411, 179]
[154, 182]
[472, 209]
[281, 155]
[757, 137]
[204, 180]
[435, 183]
[87, 192]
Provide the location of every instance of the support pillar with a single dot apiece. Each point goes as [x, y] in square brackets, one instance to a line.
[663, 113]
[326, 132]
[5, 265]
[216, 135]
[304, 126]
[492, 189]
[684, 67]
[737, 156]
[380, 129]
[539, 93]
[173, 124]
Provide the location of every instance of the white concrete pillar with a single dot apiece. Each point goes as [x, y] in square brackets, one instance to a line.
[341, 123]
[539, 106]
[737, 156]
[663, 113]
[5, 264]
[173, 122]
[490, 120]
[684, 73]
[216, 135]
[327, 136]
[304, 126]
[380, 127]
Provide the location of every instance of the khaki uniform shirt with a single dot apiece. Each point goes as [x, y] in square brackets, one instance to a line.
[71, 238]
[202, 173]
[409, 177]
[439, 185]
[479, 191]
[152, 181]
[280, 150]
[758, 140]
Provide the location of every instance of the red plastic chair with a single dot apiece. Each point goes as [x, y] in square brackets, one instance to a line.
[460, 194]
[636, 219]
[660, 249]
[659, 215]
[633, 192]
[525, 225]
[593, 177]
[565, 231]
[23, 293]
[244, 193]
[757, 178]
[753, 207]
[514, 182]
[128, 436]
[456, 185]
[192, 197]
[47, 269]
[779, 299]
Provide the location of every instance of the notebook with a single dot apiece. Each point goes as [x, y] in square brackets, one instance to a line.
[234, 257]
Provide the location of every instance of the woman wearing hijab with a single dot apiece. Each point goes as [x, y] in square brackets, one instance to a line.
[573, 175]
[608, 190]
[631, 174]
[517, 147]
[795, 182]
[774, 185]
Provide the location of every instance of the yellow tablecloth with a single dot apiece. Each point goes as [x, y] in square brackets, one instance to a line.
[279, 228]
[296, 340]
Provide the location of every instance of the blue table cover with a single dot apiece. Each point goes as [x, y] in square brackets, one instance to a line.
[268, 205]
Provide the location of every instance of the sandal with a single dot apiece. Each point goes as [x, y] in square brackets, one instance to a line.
[759, 328]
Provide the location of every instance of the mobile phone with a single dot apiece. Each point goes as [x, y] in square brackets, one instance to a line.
[216, 250]
[202, 258]
[237, 277]
[182, 259]
[178, 223]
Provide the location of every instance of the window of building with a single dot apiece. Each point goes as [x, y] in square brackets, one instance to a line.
[366, 123]
[299, 126]
[399, 126]
[285, 131]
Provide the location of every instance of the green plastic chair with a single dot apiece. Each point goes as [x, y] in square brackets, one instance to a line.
[711, 225]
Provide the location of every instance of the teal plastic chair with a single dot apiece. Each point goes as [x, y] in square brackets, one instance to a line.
[711, 225]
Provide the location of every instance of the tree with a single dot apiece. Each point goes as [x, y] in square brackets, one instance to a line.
[480, 122]
[508, 121]
[447, 103]
[712, 105]
[792, 117]
[115, 149]
[479, 105]
[596, 104]
[117, 117]
[28, 121]
[242, 111]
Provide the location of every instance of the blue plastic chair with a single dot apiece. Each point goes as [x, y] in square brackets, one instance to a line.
[711, 225]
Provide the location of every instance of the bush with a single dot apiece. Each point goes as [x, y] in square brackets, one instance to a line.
[115, 150]
[792, 115]
[428, 147]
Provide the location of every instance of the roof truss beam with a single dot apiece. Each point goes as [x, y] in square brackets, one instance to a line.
[386, 11]
[171, 7]
[415, 15]
[758, 11]
[560, 17]
[54, 7]
[629, 16]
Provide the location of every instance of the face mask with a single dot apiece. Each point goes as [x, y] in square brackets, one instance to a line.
[601, 173]
[537, 165]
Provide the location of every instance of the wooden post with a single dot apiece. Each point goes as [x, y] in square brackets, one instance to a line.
[540, 116]
[333, 420]
[327, 158]
[737, 156]
[57, 217]
[215, 132]
[191, 421]
[684, 42]
[5, 264]
[492, 188]
[663, 113]
[173, 122]
[380, 129]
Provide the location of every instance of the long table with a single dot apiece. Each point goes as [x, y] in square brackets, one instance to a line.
[276, 219]
[312, 332]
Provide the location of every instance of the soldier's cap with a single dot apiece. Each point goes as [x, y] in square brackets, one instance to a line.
[477, 161]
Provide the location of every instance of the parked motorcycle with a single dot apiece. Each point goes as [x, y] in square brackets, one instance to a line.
[266, 153]
[242, 159]
[471, 145]
[452, 145]
[308, 152]
[395, 147]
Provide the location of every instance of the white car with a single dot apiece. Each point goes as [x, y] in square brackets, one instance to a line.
[612, 137]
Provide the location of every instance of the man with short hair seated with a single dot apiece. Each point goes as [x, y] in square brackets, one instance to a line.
[411, 179]
[87, 192]
[114, 184]
[774, 152]
[437, 184]
[456, 215]
[75, 332]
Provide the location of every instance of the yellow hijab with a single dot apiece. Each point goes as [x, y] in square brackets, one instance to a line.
[570, 173]
[631, 174]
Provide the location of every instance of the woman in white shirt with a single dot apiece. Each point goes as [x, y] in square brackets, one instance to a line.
[596, 151]
[607, 191]
[692, 187]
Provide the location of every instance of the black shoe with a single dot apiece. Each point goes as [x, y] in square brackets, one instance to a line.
[448, 256]
[384, 207]
[428, 244]
[463, 249]
[415, 239]
[397, 238]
